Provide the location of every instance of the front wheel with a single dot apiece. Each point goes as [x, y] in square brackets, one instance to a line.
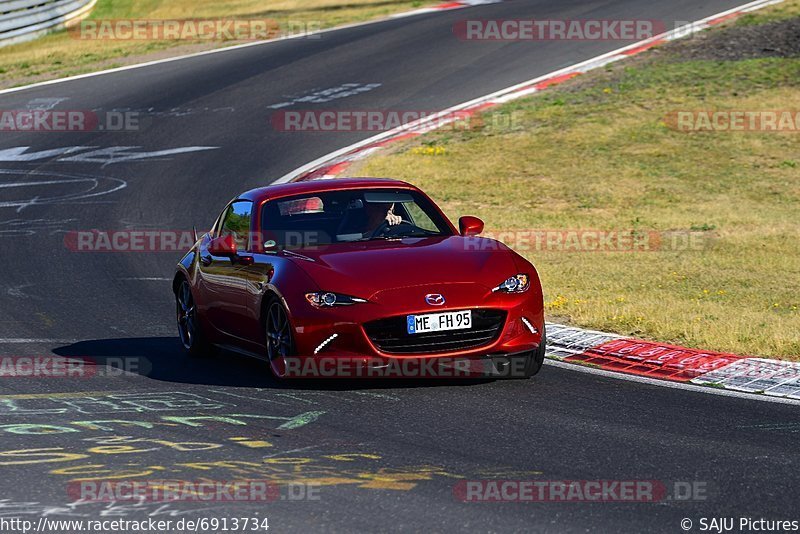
[535, 359]
[280, 342]
[191, 335]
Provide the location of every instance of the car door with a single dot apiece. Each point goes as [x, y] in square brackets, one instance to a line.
[221, 276]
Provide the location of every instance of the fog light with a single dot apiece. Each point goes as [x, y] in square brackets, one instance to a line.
[325, 343]
[529, 325]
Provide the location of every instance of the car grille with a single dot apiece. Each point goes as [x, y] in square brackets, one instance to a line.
[390, 335]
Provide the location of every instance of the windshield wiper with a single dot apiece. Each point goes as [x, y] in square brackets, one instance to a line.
[379, 238]
[424, 233]
[297, 255]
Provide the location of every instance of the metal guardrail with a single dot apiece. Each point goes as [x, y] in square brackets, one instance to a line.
[21, 20]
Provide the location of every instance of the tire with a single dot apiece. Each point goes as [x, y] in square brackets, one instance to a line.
[279, 339]
[189, 330]
[535, 359]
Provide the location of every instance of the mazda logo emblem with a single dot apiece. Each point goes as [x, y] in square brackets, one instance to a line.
[434, 299]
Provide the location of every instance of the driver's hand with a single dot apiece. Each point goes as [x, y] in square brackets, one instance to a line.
[393, 219]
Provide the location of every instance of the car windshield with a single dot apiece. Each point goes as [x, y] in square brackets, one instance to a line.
[347, 216]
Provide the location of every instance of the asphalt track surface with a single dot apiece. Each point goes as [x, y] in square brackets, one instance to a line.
[387, 454]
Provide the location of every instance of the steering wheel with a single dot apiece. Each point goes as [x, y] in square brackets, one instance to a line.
[387, 230]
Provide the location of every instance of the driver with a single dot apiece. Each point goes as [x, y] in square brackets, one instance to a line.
[377, 214]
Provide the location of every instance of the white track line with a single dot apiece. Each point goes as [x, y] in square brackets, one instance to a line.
[22, 341]
[669, 384]
[310, 35]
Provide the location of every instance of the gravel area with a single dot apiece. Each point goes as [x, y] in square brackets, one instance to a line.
[774, 39]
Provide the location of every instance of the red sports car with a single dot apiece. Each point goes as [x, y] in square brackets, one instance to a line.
[357, 270]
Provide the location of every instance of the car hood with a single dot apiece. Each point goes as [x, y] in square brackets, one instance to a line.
[365, 269]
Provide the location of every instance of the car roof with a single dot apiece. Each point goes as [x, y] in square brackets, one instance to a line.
[318, 186]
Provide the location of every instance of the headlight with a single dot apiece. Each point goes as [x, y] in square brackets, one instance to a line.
[326, 299]
[516, 284]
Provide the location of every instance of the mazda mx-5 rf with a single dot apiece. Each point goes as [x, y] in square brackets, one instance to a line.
[357, 270]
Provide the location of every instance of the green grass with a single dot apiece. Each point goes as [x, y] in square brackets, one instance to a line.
[595, 153]
[57, 55]
[783, 11]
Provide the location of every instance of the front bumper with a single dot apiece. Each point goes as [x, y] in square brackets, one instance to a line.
[334, 340]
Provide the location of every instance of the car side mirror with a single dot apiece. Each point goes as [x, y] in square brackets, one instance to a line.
[469, 226]
[223, 246]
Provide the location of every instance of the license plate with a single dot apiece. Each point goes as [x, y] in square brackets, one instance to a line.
[438, 322]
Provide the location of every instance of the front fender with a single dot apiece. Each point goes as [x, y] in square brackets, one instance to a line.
[186, 268]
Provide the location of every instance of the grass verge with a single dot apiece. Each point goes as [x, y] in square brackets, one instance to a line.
[597, 153]
[58, 54]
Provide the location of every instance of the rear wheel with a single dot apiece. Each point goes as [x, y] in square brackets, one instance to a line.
[280, 342]
[191, 335]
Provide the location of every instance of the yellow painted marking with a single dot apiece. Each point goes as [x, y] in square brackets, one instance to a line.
[320, 481]
[47, 456]
[351, 457]
[389, 485]
[118, 449]
[393, 481]
[289, 461]
[251, 443]
[256, 444]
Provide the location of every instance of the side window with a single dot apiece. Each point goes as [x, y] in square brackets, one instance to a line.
[236, 221]
[419, 217]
